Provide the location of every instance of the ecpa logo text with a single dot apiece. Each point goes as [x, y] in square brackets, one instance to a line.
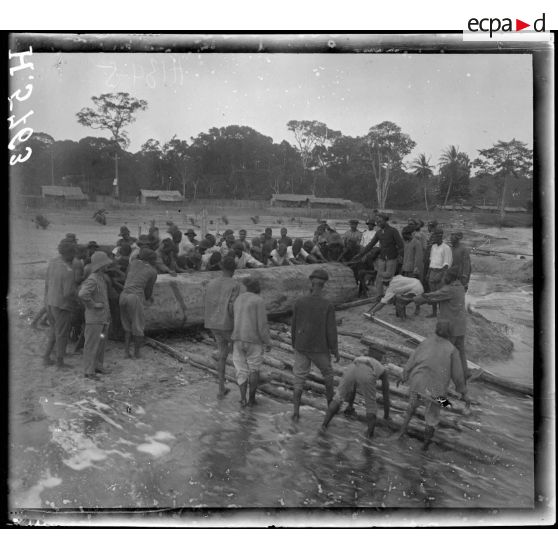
[496, 25]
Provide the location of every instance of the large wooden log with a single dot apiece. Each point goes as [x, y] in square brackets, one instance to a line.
[178, 301]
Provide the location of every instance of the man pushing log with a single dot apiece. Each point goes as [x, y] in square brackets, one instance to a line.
[361, 375]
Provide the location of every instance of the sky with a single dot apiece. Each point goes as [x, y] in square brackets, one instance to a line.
[467, 100]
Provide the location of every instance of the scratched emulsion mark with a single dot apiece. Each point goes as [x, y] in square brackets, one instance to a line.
[154, 445]
[32, 498]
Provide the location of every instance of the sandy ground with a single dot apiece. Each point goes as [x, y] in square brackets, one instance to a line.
[151, 433]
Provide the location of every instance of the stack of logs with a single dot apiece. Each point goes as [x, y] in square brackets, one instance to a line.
[277, 382]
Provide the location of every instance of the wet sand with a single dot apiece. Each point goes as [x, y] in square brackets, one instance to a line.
[152, 434]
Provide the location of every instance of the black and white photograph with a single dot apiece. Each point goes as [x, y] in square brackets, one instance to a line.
[281, 279]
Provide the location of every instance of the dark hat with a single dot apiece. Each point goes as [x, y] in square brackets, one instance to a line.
[384, 216]
[143, 240]
[354, 221]
[228, 232]
[412, 221]
[124, 230]
[92, 244]
[228, 263]
[319, 274]
[370, 222]
[409, 229]
[147, 255]
[204, 244]
[71, 236]
[191, 232]
[99, 260]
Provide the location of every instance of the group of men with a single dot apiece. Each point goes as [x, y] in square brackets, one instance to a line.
[104, 285]
[84, 290]
[235, 314]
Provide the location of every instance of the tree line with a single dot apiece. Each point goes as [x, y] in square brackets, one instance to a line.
[240, 162]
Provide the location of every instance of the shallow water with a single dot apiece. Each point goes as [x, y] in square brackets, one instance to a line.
[512, 306]
[157, 436]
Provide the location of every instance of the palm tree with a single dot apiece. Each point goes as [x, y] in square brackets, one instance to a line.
[455, 165]
[422, 169]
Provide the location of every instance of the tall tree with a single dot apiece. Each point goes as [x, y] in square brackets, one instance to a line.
[455, 169]
[177, 156]
[386, 146]
[502, 160]
[112, 112]
[422, 169]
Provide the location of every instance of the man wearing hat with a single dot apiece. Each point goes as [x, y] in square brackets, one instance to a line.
[138, 289]
[189, 243]
[461, 258]
[143, 242]
[361, 375]
[391, 251]
[353, 233]
[440, 260]
[60, 291]
[313, 337]
[94, 294]
[126, 239]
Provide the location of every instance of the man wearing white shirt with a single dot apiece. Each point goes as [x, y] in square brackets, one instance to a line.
[296, 253]
[403, 289]
[279, 255]
[368, 235]
[440, 260]
[243, 259]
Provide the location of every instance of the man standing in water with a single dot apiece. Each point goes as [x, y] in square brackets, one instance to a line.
[220, 295]
[314, 337]
[428, 372]
[451, 298]
[361, 375]
[94, 294]
[138, 289]
[250, 338]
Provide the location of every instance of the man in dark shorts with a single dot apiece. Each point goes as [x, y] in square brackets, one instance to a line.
[314, 337]
[138, 289]
[220, 295]
[361, 375]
